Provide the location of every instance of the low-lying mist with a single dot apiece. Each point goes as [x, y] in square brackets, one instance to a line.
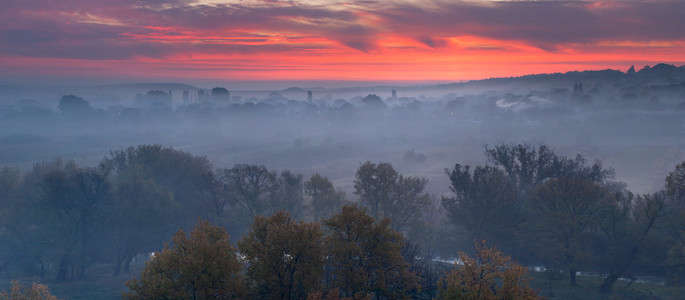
[632, 122]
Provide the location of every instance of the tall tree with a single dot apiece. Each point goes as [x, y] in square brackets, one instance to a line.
[202, 265]
[92, 195]
[675, 183]
[626, 227]
[674, 228]
[388, 194]
[527, 167]
[251, 186]
[61, 209]
[185, 175]
[566, 209]
[484, 202]
[38, 228]
[364, 256]
[285, 258]
[138, 216]
[9, 188]
[324, 199]
[289, 194]
[77, 198]
[488, 275]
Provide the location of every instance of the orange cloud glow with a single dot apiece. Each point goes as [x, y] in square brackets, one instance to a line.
[365, 41]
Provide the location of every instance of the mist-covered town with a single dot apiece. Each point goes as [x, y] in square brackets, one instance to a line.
[355, 192]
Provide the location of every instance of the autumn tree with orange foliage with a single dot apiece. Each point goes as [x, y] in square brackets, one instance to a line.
[364, 257]
[488, 275]
[37, 291]
[285, 258]
[203, 265]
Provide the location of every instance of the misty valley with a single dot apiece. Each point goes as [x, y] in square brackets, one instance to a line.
[565, 174]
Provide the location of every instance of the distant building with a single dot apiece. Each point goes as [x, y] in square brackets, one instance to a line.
[309, 96]
[579, 95]
[186, 97]
[578, 88]
[394, 94]
[631, 71]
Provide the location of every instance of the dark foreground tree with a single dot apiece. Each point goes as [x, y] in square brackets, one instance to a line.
[488, 275]
[285, 258]
[203, 265]
[364, 256]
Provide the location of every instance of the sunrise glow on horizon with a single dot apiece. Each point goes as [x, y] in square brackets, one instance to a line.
[323, 40]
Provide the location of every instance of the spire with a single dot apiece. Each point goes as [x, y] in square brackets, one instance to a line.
[631, 70]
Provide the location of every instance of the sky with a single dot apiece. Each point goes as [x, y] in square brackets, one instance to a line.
[88, 41]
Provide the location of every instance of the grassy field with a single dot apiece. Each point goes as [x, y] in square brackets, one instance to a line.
[100, 283]
[588, 288]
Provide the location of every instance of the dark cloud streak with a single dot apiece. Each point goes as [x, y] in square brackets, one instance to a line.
[544, 24]
[87, 29]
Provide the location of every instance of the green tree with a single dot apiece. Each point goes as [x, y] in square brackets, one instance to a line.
[70, 206]
[324, 199]
[527, 167]
[488, 275]
[484, 202]
[674, 227]
[565, 210]
[285, 258]
[626, 227]
[202, 265]
[9, 185]
[388, 194]
[188, 177]
[289, 194]
[40, 230]
[675, 183]
[10, 180]
[364, 256]
[251, 187]
[138, 215]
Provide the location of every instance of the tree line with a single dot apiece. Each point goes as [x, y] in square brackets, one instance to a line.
[540, 208]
